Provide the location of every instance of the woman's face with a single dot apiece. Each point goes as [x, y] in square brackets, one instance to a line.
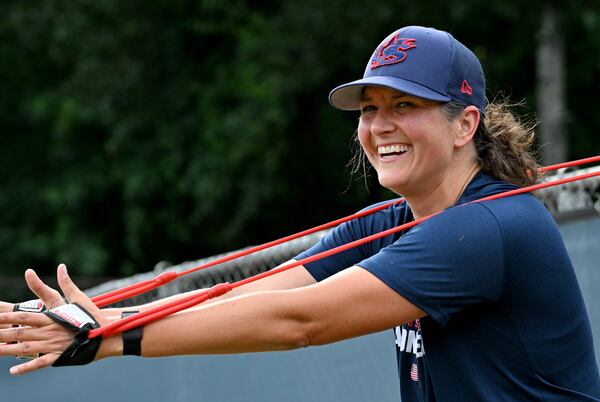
[408, 140]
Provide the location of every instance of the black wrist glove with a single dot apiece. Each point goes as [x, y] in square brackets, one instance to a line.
[76, 318]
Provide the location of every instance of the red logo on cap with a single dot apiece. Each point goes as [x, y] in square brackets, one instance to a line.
[465, 88]
[392, 51]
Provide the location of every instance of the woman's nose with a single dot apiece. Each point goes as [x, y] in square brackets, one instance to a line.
[382, 124]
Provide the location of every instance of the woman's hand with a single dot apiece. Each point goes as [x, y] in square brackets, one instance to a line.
[37, 333]
[50, 297]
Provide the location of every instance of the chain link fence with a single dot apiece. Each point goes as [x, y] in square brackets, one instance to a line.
[231, 271]
[572, 199]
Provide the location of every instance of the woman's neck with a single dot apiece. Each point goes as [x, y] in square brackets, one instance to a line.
[445, 194]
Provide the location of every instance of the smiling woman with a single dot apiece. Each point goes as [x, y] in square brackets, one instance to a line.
[482, 309]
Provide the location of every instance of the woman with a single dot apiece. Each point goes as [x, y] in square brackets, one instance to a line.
[483, 309]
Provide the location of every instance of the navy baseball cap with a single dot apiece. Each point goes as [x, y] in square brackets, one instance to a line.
[423, 62]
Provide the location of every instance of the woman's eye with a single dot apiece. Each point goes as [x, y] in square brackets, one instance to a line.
[367, 108]
[403, 105]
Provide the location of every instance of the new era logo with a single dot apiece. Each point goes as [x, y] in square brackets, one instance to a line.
[465, 88]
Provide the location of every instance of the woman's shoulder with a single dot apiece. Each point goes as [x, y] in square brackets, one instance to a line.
[392, 203]
[390, 212]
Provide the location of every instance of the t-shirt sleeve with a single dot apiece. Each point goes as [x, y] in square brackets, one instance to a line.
[445, 264]
[324, 268]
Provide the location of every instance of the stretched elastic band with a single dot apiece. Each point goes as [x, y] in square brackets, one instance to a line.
[161, 311]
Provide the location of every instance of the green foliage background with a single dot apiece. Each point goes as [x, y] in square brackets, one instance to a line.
[139, 131]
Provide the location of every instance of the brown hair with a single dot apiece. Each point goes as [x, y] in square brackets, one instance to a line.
[503, 143]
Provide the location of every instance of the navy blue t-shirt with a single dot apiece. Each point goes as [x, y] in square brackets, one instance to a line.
[505, 317]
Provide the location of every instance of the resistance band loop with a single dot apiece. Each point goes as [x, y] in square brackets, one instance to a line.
[166, 309]
[149, 284]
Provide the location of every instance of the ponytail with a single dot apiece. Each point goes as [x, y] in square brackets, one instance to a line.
[503, 143]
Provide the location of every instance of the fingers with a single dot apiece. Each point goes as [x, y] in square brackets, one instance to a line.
[18, 334]
[50, 297]
[6, 308]
[32, 347]
[27, 341]
[21, 349]
[70, 290]
[10, 320]
[23, 318]
[35, 364]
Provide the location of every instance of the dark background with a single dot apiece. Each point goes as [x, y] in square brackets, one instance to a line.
[141, 131]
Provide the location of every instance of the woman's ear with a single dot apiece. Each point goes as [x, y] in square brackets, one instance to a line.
[466, 124]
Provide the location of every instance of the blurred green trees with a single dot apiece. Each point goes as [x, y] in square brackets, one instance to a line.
[140, 131]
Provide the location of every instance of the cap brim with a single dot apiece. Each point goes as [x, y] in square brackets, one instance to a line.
[348, 96]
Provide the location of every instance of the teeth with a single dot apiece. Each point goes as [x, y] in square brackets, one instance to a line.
[388, 149]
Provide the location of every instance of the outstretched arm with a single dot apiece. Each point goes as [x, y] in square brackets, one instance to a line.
[51, 339]
[349, 304]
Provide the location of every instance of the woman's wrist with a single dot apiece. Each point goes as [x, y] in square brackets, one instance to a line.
[110, 347]
[113, 345]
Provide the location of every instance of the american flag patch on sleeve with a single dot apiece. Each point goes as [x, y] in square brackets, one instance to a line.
[414, 372]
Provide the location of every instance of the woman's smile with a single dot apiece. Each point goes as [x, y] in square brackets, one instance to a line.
[392, 152]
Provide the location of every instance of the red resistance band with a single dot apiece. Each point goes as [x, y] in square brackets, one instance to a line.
[166, 309]
[166, 277]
